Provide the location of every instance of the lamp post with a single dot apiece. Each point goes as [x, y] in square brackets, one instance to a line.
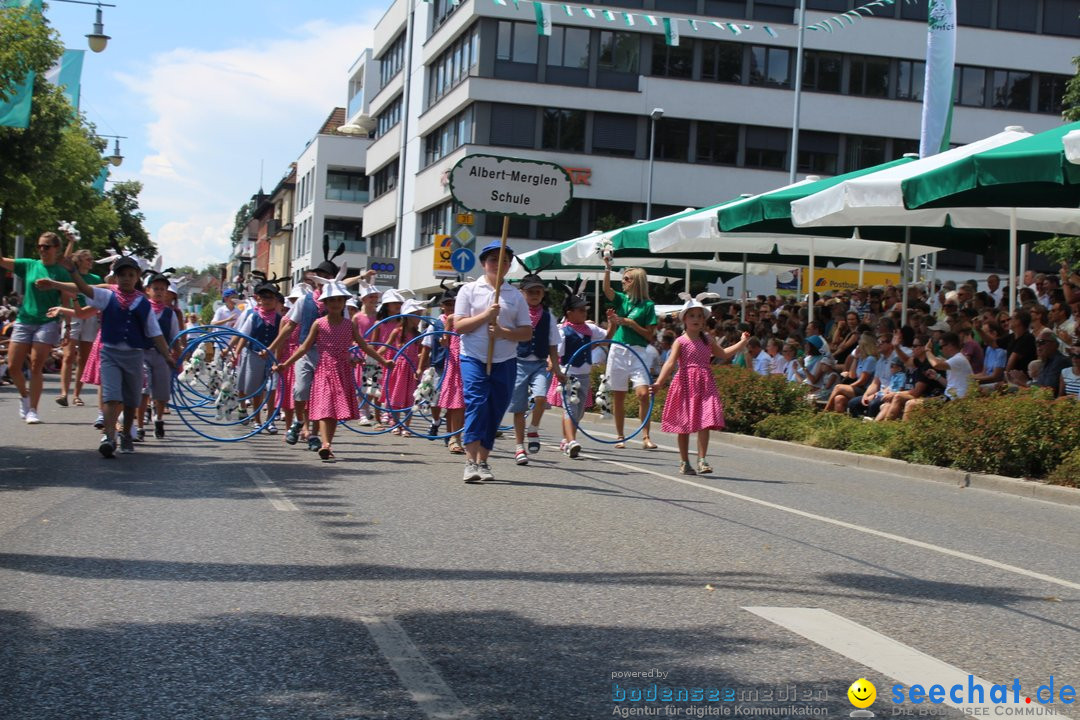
[655, 115]
[800, 20]
[116, 158]
[97, 40]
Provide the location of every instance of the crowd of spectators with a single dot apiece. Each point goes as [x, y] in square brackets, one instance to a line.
[856, 357]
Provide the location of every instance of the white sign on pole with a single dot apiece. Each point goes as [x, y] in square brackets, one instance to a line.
[510, 186]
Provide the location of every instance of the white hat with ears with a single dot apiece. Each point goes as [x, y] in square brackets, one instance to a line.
[690, 304]
[334, 288]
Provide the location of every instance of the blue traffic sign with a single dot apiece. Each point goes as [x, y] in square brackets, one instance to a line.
[463, 260]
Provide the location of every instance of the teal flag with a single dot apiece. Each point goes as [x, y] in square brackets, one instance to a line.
[66, 74]
[99, 182]
[15, 111]
[940, 68]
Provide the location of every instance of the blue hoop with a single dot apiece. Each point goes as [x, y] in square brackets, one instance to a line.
[652, 399]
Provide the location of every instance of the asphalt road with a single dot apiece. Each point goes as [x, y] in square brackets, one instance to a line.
[250, 580]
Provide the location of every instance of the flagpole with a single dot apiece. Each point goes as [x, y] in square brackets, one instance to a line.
[799, 21]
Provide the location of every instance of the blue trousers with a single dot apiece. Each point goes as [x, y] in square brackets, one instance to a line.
[486, 398]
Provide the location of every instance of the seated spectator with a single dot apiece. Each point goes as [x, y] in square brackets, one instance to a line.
[869, 406]
[793, 367]
[972, 350]
[1069, 384]
[859, 380]
[869, 401]
[818, 371]
[994, 357]
[776, 359]
[920, 384]
[954, 364]
[1022, 344]
[1052, 362]
[756, 359]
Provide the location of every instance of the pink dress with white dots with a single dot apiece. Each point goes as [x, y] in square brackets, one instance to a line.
[452, 392]
[92, 370]
[333, 390]
[693, 402]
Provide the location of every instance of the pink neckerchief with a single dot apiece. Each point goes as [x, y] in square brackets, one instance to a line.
[580, 328]
[157, 307]
[535, 313]
[268, 316]
[315, 295]
[126, 299]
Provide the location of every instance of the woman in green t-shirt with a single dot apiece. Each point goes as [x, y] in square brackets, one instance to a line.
[634, 319]
[35, 333]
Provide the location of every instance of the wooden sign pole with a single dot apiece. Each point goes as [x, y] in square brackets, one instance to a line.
[498, 286]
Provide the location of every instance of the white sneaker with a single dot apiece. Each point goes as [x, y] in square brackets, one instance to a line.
[472, 472]
[573, 448]
[32, 418]
[24, 407]
[365, 421]
[485, 471]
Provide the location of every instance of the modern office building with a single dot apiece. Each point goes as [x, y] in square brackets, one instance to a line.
[445, 80]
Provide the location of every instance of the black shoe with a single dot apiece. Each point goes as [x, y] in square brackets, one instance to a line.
[106, 448]
[159, 429]
[433, 430]
[140, 434]
[314, 443]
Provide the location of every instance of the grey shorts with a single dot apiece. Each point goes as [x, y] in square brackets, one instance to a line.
[305, 373]
[84, 330]
[122, 375]
[251, 372]
[28, 333]
[158, 375]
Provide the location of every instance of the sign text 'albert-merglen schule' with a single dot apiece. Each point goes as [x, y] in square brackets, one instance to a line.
[510, 186]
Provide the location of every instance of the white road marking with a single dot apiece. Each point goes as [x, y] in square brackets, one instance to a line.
[894, 659]
[272, 492]
[851, 526]
[420, 679]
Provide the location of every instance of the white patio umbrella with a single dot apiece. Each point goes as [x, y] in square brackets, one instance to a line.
[1071, 141]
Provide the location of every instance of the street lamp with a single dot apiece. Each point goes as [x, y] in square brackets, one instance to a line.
[655, 115]
[97, 40]
[116, 158]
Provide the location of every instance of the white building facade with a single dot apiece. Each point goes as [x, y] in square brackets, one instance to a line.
[477, 77]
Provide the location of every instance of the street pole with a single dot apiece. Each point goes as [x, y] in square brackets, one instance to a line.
[402, 165]
[794, 164]
[20, 251]
[655, 115]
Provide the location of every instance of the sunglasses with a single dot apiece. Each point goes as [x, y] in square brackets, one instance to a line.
[47, 247]
[1046, 342]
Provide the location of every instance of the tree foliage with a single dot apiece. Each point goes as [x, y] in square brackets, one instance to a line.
[1065, 249]
[131, 234]
[1070, 103]
[243, 217]
[29, 45]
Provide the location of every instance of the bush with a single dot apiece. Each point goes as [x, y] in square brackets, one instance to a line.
[1068, 472]
[829, 430]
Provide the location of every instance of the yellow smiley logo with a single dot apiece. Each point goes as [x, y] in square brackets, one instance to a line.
[862, 693]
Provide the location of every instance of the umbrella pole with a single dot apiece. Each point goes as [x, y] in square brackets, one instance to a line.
[596, 299]
[688, 276]
[743, 318]
[1013, 289]
[862, 271]
[498, 286]
[904, 271]
[810, 285]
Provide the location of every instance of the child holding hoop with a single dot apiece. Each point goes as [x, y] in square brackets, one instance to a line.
[575, 333]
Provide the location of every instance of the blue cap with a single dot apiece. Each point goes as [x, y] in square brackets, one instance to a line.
[817, 341]
[228, 293]
[493, 246]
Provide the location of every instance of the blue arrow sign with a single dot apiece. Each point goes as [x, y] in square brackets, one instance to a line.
[463, 260]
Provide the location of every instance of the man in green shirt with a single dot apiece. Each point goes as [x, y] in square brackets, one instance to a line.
[35, 333]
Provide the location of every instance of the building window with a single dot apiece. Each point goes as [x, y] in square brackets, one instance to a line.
[864, 151]
[672, 139]
[766, 148]
[513, 125]
[869, 76]
[614, 134]
[441, 11]
[974, 13]
[563, 130]
[675, 61]
[1061, 17]
[391, 61]
[910, 79]
[356, 95]
[619, 52]
[1051, 93]
[347, 186]
[770, 66]
[381, 244]
[915, 10]
[565, 226]
[448, 137]
[350, 232]
[721, 61]
[435, 221]
[1011, 90]
[388, 118]
[518, 42]
[970, 86]
[904, 146]
[385, 179]
[1018, 15]
[726, 8]
[612, 213]
[835, 6]
[519, 227]
[782, 11]
[717, 143]
[453, 65]
[568, 47]
[819, 153]
[822, 71]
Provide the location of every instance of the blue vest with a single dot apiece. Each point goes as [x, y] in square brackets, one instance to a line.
[263, 331]
[125, 326]
[167, 322]
[572, 343]
[309, 313]
[540, 342]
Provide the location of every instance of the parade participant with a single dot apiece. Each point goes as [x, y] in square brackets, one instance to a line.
[128, 327]
[262, 324]
[575, 333]
[82, 329]
[451, 392]
[158, 375]
[227, 314]
[693, 404]
[364, 320]
[390, 303]
[333, 390]
[35, 333]
[631, 322]
[534, 357]
[433, 354]
[483, 323]
[287, 376]
[403, 379]
[304, 313]
[91, 373]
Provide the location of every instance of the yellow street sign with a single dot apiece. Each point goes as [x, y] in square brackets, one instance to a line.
[440, 257]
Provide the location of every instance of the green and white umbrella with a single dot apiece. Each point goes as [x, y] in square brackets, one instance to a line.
[1071, 142]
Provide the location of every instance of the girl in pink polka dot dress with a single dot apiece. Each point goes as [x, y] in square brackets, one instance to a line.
[693, 403]
[333, 390]
[452, 392]
[403, 379]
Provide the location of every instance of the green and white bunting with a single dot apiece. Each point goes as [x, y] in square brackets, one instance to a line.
[671, 31]
[543, 18]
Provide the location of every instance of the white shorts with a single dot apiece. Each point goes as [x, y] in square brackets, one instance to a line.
[624, 368]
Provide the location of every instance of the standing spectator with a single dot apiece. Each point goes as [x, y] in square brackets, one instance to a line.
[227, 314]
[1064, 325]
[1069, 385]
[1022, 344]
[35, 333]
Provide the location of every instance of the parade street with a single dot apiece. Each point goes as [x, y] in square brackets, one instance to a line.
[195, 579]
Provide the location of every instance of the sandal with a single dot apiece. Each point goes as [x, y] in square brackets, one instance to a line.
[456, 449]
[648, 444]
[325, 452]
[685, 469]
[703, 466]
[77, 402]
[620, 443]
[62, 401]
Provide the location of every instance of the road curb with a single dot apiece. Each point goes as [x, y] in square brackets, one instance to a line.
[958, 478]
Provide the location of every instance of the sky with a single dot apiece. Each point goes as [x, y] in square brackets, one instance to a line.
[206, 93]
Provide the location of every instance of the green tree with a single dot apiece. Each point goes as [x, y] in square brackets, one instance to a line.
[1070, 103]
[1065, 249]
[243, 216]
[131, 234]
[29, 45]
